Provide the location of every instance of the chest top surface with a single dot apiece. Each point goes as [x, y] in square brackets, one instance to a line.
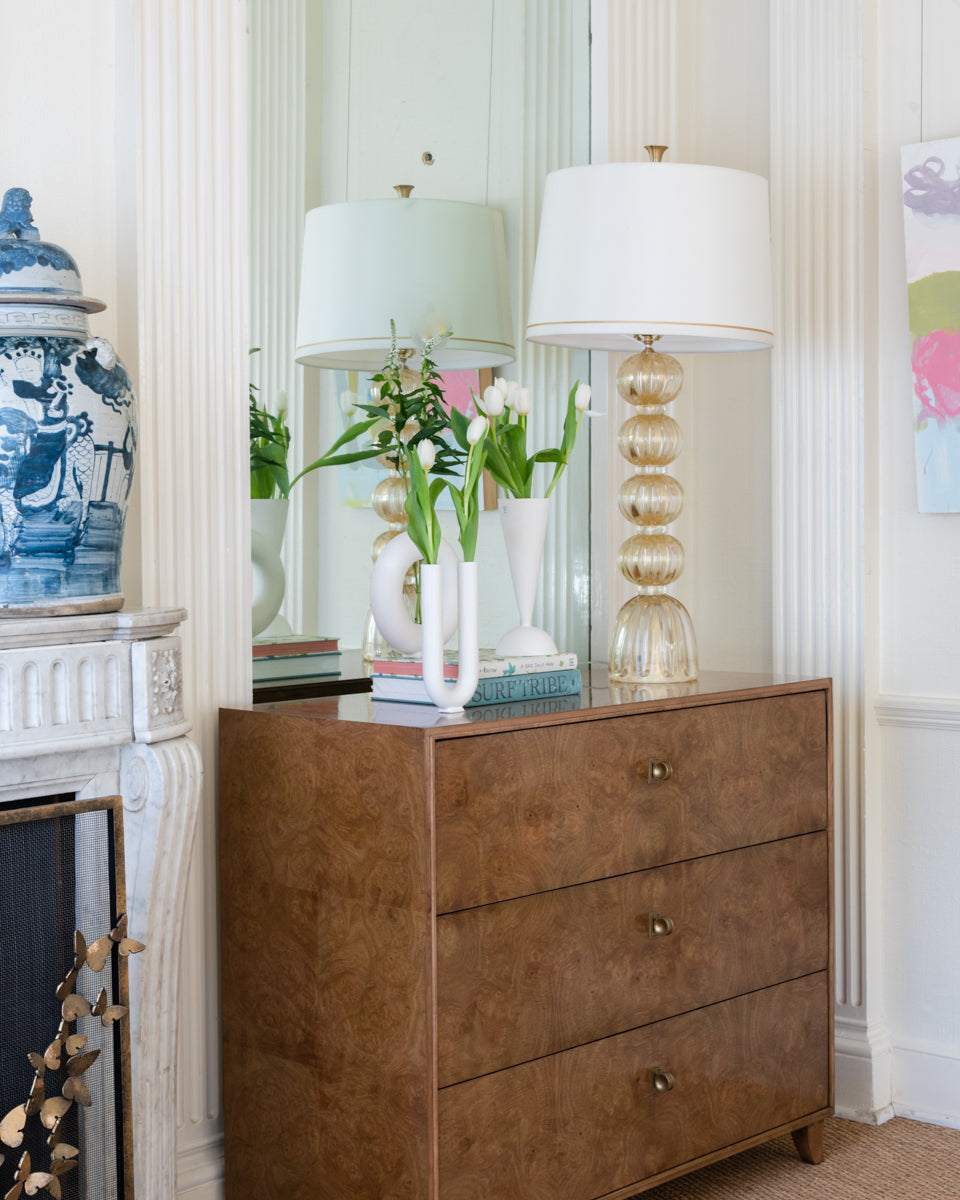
[598, 699]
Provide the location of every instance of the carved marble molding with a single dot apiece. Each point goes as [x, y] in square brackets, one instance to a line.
[90, 687]
[160, 784]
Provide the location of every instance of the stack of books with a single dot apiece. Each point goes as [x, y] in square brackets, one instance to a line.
[295, 656]
[501, 680]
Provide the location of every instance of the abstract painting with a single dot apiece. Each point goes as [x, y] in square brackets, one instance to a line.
[931, 214]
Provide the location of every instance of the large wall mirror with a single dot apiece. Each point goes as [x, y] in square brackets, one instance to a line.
[472, 100]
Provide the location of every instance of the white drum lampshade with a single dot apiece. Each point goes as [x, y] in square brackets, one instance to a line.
[424, 264]
[643, 254]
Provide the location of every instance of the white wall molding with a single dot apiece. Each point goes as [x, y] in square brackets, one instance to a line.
[192, 281]
[919, 712]
[817, 153]
[926, 1084]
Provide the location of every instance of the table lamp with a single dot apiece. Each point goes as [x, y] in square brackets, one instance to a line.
[426, 265]
[672, 257]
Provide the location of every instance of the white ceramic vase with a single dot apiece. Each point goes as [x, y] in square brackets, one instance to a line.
[449, 697]
[268, 520]
[386, 593]
[524, 525]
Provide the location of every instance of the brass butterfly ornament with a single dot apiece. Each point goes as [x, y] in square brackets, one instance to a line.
[66, 1054]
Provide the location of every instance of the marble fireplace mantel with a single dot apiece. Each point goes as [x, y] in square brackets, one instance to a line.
[93, 705]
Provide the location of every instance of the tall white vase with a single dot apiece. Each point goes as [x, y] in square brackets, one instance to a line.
[268, 520]
[524, 525]
[449, 697]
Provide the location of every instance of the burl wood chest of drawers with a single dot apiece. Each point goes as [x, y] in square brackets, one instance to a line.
[557, 956]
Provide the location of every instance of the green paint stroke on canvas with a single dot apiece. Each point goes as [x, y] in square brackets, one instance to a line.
[935, 303]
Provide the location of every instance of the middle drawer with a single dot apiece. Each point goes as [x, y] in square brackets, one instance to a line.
[528, 977]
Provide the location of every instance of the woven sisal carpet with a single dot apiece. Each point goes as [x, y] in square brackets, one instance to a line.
[901, 1160]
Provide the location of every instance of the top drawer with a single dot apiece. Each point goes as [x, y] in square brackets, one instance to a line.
[536, 809]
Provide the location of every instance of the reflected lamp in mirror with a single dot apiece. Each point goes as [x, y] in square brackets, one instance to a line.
[424, 264]
[428, 266]
[672, 257]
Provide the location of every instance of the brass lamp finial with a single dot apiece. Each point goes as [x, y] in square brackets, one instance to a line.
[403, 190]
[656, 152]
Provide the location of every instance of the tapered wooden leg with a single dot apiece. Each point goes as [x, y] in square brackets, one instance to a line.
[809, 1142]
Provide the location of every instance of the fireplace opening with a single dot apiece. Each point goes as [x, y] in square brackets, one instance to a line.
[65, 1116]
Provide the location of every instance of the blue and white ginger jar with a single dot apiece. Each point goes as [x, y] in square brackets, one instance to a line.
[68, 433]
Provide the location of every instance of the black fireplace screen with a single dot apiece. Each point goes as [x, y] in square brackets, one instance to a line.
[65, 1126]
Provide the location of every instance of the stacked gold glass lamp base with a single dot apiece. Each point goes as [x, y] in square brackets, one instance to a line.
[653, 640]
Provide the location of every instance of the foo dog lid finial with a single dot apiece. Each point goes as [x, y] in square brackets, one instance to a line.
[33, 271]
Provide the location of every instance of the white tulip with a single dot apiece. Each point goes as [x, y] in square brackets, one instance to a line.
[502, 386]
[476, 429]
[521, 401]
[511, 398]
[581, 399]
[493, 400]
[427, 453]
[348, 402]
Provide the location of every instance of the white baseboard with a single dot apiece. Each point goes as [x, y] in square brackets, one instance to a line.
[200, 1170]
[926, 1085]
[863, 1079]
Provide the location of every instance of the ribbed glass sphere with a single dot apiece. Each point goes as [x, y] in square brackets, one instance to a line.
[389, 498]
[651, 559]
[649, 378]
[650, 499]
[650, 439]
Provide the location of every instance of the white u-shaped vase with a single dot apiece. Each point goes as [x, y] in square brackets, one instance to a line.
[449, 697]
[524, 525]
[386, 593]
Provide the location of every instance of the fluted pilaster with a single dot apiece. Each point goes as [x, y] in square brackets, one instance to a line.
[817, 151]
[193, 466]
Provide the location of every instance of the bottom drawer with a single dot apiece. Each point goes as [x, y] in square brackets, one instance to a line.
[588, 1121]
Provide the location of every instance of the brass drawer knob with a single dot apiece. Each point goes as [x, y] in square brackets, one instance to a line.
[659, 925]
[661, 1081]
[658, 771]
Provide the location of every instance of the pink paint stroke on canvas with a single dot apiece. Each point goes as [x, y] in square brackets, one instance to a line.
[936, 376]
